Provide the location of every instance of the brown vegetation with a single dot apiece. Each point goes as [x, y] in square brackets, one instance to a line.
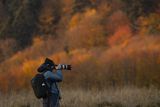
[125, 97]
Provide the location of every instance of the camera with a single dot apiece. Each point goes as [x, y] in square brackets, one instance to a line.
[50, 65]
[44, 67]
[63, 67]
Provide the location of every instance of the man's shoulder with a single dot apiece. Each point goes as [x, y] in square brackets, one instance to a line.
[47, 73]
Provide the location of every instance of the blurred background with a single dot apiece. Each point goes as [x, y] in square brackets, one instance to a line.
[109, 43]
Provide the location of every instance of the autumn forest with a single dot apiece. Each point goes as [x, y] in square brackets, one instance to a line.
[109, 43]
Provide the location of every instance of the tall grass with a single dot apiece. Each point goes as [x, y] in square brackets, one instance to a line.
[124, 97]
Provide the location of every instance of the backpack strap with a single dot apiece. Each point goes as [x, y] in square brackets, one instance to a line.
[59, 94]
[48, 84]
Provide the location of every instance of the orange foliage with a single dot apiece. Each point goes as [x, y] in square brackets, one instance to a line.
[111, 66]
[85, 35]
[60, 57]
[37, 42]
[75, 57]
[74, 21]
[117, 20]
[120, 36]
[80, 56]
[29, 66]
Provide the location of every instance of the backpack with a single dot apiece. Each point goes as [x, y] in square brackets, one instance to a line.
[39, 85]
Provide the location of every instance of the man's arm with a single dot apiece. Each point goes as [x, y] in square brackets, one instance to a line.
[57, 76]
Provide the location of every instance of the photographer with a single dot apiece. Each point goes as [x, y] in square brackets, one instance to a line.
[52, 100]
[44, 83]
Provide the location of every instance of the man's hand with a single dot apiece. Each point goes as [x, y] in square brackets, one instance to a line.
[59, 67]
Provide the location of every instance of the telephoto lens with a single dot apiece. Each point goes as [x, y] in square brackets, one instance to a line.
[65, 67]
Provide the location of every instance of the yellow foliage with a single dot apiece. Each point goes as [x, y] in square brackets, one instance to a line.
[86, 31]
[77, 18]
[150, 24]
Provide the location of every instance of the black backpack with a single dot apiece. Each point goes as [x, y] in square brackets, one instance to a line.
[39, 85]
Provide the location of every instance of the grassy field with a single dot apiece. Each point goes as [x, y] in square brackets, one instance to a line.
[125, 97]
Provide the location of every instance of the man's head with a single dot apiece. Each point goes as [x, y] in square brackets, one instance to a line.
[47, 65]
[50, 63]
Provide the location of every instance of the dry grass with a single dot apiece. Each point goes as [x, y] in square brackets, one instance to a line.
[125, 97]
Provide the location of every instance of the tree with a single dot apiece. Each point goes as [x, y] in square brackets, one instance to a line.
[85, 30]
[21, 21]
[7, 48]
[137, 8]
[81, 5]
[50, 17]
[150, 24]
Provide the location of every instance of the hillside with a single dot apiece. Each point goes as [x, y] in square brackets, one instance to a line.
[109, 43]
